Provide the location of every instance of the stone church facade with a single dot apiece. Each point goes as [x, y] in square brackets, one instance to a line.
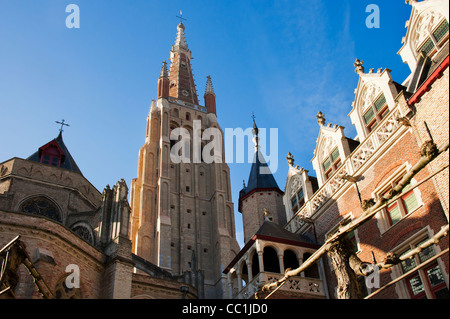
[171, 240]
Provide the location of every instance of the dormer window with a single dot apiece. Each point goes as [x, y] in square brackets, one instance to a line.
[331, 163]
[298, 200]
[376, 112]
[51, 154]
[435, 39]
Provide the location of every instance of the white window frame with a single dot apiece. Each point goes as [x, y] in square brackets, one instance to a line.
[411, 242]
[382, 216]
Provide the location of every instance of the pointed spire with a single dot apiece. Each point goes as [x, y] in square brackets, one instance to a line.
[180, 42]
[164, 73]
[181, 78]
[153, 108]
[210, 96]
[209, 86]
[255, 130]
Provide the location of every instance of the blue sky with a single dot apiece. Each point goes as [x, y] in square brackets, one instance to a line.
[283, 60]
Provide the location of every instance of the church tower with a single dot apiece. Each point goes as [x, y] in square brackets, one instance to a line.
[182, 211]
[261, 200]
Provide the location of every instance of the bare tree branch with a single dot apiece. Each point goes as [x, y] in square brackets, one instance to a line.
[428, 153]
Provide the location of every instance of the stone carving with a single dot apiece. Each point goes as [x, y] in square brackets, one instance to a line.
[320, 118]
[424, 25]
[359, 66]
[328, 145]
[295, 184]
[369, 93]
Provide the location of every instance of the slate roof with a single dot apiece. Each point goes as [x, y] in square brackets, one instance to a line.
[275, 231]
[68, 162]
[257, 180]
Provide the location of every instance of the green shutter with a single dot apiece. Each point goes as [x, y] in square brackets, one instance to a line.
[441, 31]
[380, 102]
[326, 164]
[427, 47]
[300, 194]
[410, 203]
[395, 214]
[369, 116]
[335, 155]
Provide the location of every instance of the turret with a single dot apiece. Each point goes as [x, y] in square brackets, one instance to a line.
[210, 97]
[163, 82]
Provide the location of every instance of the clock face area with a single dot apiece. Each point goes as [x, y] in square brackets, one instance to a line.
[185, 93]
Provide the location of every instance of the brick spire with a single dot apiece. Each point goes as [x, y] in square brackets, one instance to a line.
[181, 78]
[163, 82]
[210, 96]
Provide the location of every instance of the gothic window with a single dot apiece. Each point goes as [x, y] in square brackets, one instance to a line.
[84, 233]
[41, 206]
[298, 200]
[425, 283]
[376, 112]
[435, 39]
[403, 206]
[331, 163]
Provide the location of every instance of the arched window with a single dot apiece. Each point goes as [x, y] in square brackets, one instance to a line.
[41, 206]
[313, 270]
[84, 233]
[270, 260]
[255, 264]
[244, 274]
[290, 259]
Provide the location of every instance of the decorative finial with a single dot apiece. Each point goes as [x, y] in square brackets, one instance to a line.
[290, 159]
[255, 130]
[243, 183]
[320, 118]
[164, 73]
[181, 19]
[62, 125]
[209, 86]
[359, 66]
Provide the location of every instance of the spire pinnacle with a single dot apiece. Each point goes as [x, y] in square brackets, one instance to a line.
[180, 42]
[255, 132]
[209, 86]
[164, 73]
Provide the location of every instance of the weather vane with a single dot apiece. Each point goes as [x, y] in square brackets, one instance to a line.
[181, 17]
[62, 125]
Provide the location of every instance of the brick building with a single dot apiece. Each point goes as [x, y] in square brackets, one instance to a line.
[393, 119]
